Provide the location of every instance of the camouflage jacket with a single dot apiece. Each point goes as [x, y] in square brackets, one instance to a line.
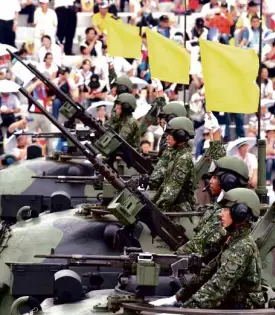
[151, 117]
[112, 76]
[176, 192]
[210, 234]
[127, 128]
[232, 279]
[157, 176]
[217, 150]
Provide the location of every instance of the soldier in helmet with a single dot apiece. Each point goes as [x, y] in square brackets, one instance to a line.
[176, 192]
[168, 112]
[123, 122]
[121, 85]
[233, 278]
[226, 173]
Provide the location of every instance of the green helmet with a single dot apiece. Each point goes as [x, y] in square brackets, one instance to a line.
[124, 81]
[233, 165]
[127, 98]
[239, 196]
[182, 123]
[174, 109]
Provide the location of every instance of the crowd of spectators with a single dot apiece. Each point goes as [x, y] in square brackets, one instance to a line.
[85, 79]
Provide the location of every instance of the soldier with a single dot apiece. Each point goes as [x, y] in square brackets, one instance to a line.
[233, 278]
[168, 112]
[226, 173]
[123, 122]
[176, 192]
[121, 85]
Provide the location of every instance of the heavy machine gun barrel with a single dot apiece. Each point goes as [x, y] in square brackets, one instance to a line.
[109, 143]
[79, 133]
[176, 263]
[131, 204]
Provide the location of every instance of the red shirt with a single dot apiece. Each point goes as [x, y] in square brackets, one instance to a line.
[222, 23]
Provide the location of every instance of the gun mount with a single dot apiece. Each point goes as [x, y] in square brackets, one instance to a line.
[131, 204]
[108, 142]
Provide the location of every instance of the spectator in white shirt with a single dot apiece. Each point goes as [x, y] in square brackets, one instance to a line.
[45, 21]
[48, 66]
[251, 161]
[207, 9]
[91, 46]
[8, 21]
[266, 84]
[48, 46]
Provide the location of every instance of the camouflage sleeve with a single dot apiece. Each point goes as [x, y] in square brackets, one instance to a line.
[197, 281]
[157, 176]
[232, 268]
[126, 131]
[176, 181]
[151, 117]
[217, 150]
[208, 210]
[207, 241]
[112, 75]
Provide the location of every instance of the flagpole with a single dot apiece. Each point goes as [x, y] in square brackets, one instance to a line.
[260, 68]
[185, 26]
[261, 182]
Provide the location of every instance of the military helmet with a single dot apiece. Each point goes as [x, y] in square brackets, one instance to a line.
[232, 172]
[181, 128]
[121, 82]
[243, 203]
[127, 100]
[173, 109]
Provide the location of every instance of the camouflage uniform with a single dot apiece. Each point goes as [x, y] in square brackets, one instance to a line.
[151, 117]
[158, 174]
[210, 235]
[176, 192]
[232, 280]
[127, 128]
[112, 75]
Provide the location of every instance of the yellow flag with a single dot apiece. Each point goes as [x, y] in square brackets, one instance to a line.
[168, 60]
[123, 40]
[229, 75]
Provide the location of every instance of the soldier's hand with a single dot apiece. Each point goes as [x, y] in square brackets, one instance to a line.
[165, 302]
[144, 181]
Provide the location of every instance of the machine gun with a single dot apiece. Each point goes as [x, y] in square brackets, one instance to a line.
[109, 143]
[178, 264]
[52, 279]
[82, 135]
[131, 204]
[96, 181]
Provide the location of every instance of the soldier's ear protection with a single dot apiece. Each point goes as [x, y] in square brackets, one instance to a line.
[127, 109]
[229, 181]
[169, 117]
[122, 89]
[180, 135]
[240, 213]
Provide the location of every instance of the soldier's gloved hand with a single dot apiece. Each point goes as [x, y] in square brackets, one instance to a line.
[165, 301]
[211, 122]
[144, 181]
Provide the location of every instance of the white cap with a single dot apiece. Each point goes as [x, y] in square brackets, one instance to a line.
[104, 4]
[270, 128]
[44, 1]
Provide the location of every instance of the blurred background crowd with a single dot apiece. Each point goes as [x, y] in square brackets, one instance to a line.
[67, 41]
